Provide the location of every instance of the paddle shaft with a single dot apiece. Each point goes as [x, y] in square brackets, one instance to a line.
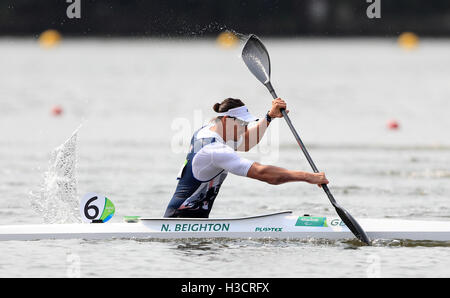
[300, 143]
[257, 59]
[351, 223]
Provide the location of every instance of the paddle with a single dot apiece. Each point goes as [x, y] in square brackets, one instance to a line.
[257, 59]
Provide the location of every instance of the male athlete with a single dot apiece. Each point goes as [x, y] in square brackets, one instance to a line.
[212, 155]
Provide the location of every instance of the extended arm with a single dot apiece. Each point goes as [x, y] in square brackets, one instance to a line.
[275, 175]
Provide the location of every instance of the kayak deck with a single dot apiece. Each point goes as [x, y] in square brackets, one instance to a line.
[280, 225]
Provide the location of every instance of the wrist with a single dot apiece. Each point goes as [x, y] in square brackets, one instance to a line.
[309, 177]
[268, 117]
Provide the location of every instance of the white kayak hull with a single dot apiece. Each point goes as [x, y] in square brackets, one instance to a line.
[281, 225]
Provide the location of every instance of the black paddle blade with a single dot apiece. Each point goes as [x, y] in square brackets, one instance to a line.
[352, 224]
[257, 59]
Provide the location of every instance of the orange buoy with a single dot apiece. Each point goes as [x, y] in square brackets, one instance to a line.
[408, 41]
[227, 39]
[49, 38]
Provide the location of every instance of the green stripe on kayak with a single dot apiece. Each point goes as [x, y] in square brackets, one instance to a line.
[131, 218]
[309, 221]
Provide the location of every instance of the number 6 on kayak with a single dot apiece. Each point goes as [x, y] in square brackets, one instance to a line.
[96, 208]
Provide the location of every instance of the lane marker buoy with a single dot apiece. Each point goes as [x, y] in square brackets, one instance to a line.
[408, 41]
[57, 111]
[393, 125]
[49, 38]
[227, 39]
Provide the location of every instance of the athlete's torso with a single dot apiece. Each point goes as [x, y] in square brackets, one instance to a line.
[206, 167]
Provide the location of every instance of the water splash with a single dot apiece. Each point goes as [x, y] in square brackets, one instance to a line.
[57, 200]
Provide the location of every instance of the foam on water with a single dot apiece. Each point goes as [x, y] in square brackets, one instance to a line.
[57, 199]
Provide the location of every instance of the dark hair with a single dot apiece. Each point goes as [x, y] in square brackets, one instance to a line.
[227, 104]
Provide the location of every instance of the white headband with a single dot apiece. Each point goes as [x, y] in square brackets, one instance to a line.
[240, 113]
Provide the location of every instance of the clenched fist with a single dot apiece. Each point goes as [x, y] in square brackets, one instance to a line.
[277, 104]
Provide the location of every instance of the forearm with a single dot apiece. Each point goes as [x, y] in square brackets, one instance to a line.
[276, 175]
[254, 135]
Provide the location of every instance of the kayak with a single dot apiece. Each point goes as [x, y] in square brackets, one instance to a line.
[279, 225]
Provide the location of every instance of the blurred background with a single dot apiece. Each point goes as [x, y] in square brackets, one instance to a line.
[367, 86]
[202, 17]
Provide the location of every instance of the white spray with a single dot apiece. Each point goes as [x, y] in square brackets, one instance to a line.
[57, 199]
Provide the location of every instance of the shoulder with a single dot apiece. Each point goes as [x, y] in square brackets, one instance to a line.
[215, 153]
[214, 149]
[218, 148]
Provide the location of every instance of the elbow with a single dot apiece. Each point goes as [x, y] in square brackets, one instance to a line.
[268, 177]
[265, 174]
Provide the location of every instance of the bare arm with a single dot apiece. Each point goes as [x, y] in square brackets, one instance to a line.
[275, 175]
[254, 134]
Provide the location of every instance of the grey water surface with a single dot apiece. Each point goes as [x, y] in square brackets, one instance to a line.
[140, 100]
